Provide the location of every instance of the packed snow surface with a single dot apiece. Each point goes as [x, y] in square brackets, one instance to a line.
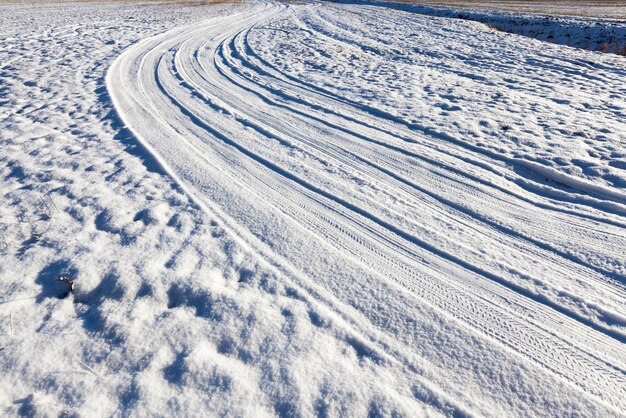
[307, 210]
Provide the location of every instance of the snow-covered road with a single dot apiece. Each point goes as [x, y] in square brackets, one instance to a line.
[306, 209]
[422, 188]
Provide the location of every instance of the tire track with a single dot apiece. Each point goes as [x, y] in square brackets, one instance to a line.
[187, 95]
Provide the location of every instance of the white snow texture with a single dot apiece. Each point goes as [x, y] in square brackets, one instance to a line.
[306, 209]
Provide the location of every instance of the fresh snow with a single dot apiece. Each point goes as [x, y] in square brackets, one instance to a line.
[308, 209]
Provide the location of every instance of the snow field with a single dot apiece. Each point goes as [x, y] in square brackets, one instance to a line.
[598, 9]
[271, 209]
[606, 32]
[169, 314]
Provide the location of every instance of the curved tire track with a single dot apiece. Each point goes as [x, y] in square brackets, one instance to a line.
[291, 171]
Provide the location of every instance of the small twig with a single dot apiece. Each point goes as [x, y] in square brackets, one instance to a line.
[53, 204]
[89, 369]
[46, 208]
[2, 302]
[68, 282]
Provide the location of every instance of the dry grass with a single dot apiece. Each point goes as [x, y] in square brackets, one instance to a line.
[187, 2]
[606, 9]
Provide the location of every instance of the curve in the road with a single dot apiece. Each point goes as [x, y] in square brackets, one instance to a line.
[403, 232]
